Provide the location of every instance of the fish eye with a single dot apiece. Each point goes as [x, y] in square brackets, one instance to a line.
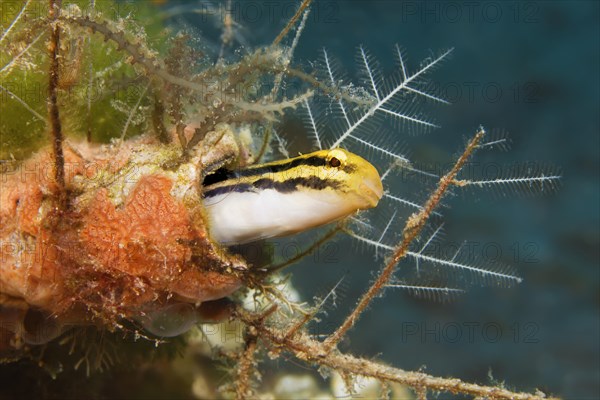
[334, 162]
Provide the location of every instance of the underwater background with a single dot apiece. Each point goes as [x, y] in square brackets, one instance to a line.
[528, 68]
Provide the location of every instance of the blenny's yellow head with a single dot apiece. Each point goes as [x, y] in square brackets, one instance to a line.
[288, 196]
[351, 174]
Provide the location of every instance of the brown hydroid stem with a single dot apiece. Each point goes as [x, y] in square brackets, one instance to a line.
[291, 22]
[57, 136]
[310, 350]
[243, 389]
[413, 228]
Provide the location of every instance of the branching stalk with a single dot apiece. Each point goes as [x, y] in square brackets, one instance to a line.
[243, 388]
[413, 228]
[305, 348]
[291, 22]
[54, 47]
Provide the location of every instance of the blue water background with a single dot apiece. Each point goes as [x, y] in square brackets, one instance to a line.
[532, 69]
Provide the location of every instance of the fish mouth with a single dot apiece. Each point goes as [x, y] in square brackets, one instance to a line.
[371, 189]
